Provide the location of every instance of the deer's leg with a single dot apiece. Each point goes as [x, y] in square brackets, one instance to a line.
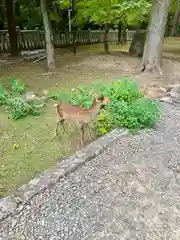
[82, 133]
[60, 121]
[57, 124]
[62, 124]
[89, 132]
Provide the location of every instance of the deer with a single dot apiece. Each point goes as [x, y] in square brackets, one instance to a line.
[81, 116]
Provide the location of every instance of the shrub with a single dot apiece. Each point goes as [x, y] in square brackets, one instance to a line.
[127, 108]
[3, 96]
[143, 113]
[19, 108]
[80, 96]
[121, 90]
[17, 86]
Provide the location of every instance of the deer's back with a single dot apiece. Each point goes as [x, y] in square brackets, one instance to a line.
[70, 112]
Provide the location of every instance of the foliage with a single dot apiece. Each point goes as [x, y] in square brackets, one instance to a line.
[17, 86]
[111, 11]
[127, 108]
[81, 97]
[3, 96]
[17, 106]
[143, 113]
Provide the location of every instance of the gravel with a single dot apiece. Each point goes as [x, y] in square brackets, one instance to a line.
[131, 191]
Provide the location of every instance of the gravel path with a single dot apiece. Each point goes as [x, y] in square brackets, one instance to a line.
[131, 191]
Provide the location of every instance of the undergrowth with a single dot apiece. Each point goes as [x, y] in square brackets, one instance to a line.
[127, 108]
[15, 103]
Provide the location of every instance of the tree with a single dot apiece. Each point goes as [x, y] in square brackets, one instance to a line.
[176, 19]
[48, 37]
[74, 25]
[152, 55]
[12, 27]
[108, 12]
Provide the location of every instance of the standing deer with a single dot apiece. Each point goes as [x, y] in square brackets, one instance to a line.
[81, 116]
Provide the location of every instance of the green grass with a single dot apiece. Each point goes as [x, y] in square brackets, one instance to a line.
[29, 146]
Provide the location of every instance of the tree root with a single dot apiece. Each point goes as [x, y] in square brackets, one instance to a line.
[155, 69]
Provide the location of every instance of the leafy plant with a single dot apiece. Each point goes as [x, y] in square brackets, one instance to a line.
[143, 113]
[17, 86]
[19, 108]
[3, 96]
[80, 96]
[127, 108]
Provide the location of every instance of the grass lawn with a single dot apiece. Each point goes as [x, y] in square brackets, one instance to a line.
[29, 146]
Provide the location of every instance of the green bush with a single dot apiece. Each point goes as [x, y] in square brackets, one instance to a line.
[3, 96]
[143, 113]
[127, 107]
[17, 86]
[121, 90]
[80, 96]
[17, 106]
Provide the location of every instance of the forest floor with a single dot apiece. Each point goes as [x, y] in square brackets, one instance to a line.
[38, 148]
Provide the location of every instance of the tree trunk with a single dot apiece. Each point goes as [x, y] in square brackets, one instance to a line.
[74, 32]
[106, 46]
[119, 33]
[137, 45]
[12, 27]
[124, 37]
[48, 38]
[18, 14]
[176, 20]
[152, 55]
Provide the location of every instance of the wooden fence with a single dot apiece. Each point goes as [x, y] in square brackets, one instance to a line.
[34, 39]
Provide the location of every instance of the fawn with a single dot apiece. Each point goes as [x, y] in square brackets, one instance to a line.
[81, 116]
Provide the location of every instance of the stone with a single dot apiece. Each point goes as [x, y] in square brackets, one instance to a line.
[166, 99]
[30, 96]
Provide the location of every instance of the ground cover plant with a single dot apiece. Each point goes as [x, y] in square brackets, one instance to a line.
[13, 101]
[127, 108]
[28, 146]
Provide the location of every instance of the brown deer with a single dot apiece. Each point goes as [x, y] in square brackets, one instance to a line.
[81, 116]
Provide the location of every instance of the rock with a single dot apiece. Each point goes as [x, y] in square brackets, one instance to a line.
[166, 99]
[30, 96]
[163, 89]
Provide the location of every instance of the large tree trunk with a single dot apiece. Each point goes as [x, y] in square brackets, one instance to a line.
[74, 32]
[48, 38]
[137, 45]
[176, 20]
[12, 27]
[152, 55]
[18, 13]
[124, 36]
[119, 32]
[106, 46]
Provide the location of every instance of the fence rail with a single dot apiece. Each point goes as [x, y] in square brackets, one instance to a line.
[35, 39]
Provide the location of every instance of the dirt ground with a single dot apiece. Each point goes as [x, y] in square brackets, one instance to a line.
[38, 147]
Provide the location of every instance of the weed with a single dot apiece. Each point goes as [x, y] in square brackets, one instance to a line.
[17, 106]
[127, 108]
[17, 86]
